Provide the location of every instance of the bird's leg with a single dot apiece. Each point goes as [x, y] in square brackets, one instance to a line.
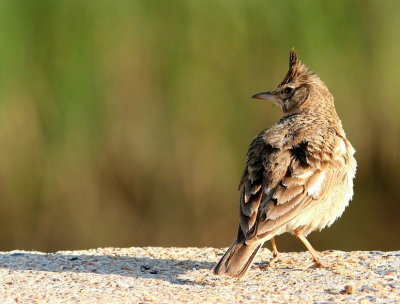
[275, 251]
[275, 254]
[317, 260]
[276, 258]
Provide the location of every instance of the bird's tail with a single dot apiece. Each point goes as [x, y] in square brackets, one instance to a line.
[238, 258]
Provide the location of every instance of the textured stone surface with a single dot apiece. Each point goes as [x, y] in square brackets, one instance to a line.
[171, 275]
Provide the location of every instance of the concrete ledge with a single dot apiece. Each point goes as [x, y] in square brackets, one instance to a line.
[173, 275]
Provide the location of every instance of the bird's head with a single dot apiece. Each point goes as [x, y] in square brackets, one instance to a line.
[293, 93]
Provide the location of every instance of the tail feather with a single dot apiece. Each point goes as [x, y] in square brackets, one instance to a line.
[237, 259]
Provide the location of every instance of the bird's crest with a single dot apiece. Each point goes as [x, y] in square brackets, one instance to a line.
[296, 69]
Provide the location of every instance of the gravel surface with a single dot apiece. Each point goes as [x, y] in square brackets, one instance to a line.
[183, 275]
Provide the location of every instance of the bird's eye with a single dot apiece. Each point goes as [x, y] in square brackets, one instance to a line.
[288, 90]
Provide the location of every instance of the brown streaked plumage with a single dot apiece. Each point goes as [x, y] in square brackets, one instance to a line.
[299, 172]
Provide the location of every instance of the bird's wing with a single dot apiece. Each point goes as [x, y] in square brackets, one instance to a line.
[278, 184]
[251, 186]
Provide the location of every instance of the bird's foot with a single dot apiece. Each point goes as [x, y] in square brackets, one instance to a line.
[317, 263]
[275, 259]
[281, 260]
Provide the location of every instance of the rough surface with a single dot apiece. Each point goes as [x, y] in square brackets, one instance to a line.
[173, 275]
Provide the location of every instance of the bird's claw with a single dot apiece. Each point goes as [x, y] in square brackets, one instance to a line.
[317, 263]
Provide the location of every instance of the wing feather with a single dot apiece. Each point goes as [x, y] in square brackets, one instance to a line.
[281, 183]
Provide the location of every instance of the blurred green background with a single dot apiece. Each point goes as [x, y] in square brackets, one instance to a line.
[126, 123]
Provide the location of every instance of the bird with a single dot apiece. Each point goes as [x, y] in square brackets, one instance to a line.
[299, 173]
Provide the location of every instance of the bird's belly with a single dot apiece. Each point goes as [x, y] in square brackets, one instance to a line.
[323, 212]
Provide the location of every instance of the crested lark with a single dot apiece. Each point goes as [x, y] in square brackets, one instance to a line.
[299, 172]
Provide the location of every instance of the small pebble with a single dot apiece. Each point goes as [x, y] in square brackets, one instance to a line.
[349, 289]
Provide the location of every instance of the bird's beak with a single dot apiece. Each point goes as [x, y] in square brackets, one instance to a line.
[265, 95]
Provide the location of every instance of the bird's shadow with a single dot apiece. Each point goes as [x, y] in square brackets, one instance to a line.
[130, 266]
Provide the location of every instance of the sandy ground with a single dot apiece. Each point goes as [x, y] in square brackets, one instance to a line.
[183, 275]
